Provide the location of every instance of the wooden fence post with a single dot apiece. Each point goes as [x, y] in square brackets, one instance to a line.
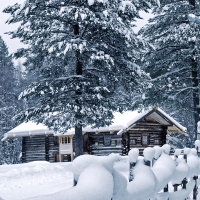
[176, 155]
[186, 152]
[195, 190]
[131, 168]
[133, 155]
[148, 155]
[166, 189]
[158, 151]
[184, 182]
[176, 187]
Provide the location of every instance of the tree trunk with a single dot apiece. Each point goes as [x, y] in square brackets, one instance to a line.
[196, 110]
[192, 2]
[195, 81]
[78, 116]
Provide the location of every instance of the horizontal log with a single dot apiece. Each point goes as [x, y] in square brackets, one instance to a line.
[139, 132]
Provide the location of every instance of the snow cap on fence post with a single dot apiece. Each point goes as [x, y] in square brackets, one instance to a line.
[193, 151]
[177, 153]
[198, 127]
[197, 146]
[186, 152]
[133, 155]
[166, 148]
[158, 151]
[148, 155]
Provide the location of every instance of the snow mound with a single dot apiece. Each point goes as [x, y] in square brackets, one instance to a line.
[166, 148]
[133, 155]
[95, 182]
[180, 173]
[149, 153]
[158, 151]
[193, 163]
[84, 161]
[163, 169]
[144, 182]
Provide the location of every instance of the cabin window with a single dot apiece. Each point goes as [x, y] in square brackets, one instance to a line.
[118, 142]
[65, 140]
[113, 142]
[145, 140]
[132, 142]
[96, 144]
[156, 141]
[56, 140]
[138, 139]
[107, 140]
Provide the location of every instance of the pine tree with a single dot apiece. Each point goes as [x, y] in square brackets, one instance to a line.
[8, 106]
[85, 52]
[7, 95]
[173, 62]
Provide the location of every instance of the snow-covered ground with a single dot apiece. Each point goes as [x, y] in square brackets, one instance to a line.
[99, 178]
[27, 181]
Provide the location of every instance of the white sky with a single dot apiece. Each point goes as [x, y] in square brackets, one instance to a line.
[14, 44]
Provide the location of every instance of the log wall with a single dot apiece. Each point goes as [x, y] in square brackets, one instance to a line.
[144, 135]
[102, 143]
[40, 148]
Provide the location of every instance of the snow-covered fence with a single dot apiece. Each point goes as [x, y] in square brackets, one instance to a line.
[157, 175]
[181, 171]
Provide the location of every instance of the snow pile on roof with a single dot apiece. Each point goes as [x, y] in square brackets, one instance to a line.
[28, 129]
[172, 120]
[136, 118]
[120, 122]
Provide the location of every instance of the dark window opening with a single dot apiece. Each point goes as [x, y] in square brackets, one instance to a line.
[156, 141]
[145, 140]
[132, 142]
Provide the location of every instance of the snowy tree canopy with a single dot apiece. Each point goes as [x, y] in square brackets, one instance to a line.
[174, 62]
[86, 54]
[97, 34]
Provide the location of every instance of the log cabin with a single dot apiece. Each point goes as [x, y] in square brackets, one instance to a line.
[39, 143]
[129, 130]
[146, 129]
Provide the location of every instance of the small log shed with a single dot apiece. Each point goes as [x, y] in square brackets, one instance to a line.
[39, 143]
[146, 129]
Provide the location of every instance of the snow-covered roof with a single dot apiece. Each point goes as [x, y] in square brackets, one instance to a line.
[28, 129]
[178, 125]
[121, 122]
[161, 117]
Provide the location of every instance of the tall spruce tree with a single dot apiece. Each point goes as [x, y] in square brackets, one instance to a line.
[8, 106]
[7, 93]
[85, 52]
[173, 63]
